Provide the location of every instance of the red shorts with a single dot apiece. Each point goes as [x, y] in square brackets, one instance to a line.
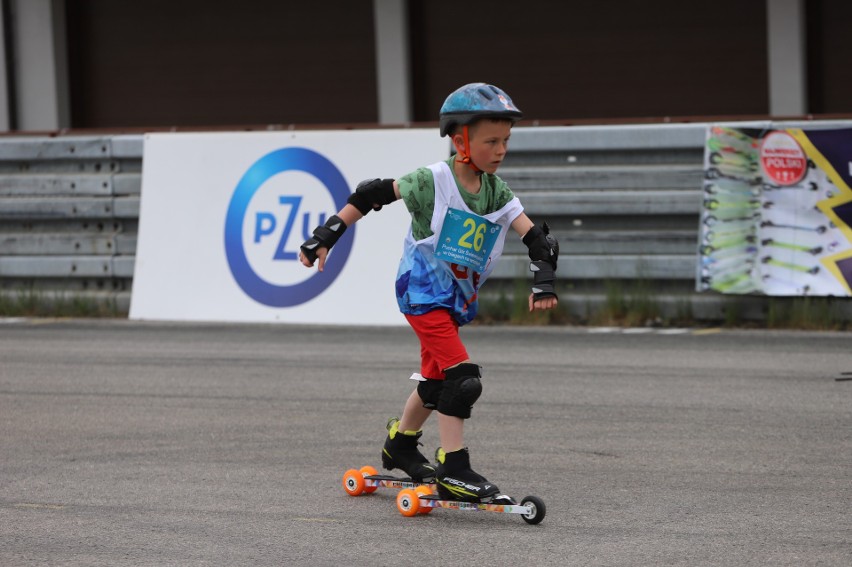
[440, 345]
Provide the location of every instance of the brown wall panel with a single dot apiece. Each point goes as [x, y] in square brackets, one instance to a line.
[829, 56]
[203, 63]
[607, 59]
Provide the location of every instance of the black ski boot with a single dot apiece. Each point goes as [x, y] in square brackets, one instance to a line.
[401, 452]
[457, 481]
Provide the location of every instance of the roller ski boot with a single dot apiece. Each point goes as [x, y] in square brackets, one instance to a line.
[457, 481]
[401, 452]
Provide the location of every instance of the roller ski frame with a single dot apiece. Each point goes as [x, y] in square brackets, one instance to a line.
[367, 480]
[419, 497]
[411, 502]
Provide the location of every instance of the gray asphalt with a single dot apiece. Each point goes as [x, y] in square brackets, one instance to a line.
[127, 443]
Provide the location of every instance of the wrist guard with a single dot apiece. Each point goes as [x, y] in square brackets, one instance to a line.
[325, 236]
[372, 194]
[543, 277]
[544, 253]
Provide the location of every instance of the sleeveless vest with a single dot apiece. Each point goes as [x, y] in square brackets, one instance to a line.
[426, 280]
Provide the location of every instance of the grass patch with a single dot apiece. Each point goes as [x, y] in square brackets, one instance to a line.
[805, 313]
[36, 303]
[628, 305]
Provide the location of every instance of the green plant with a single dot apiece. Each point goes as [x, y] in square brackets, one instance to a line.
[631, 306]
[733, 313]
[31, 302]
[807, 313]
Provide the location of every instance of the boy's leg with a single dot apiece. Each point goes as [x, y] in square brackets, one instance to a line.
[455, 477]
[438, 336]
[414, 415]
[444, 356]
[451, 432]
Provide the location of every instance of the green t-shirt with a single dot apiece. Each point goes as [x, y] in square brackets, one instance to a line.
[418, 192]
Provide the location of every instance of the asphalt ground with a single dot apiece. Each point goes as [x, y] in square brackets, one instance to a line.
[127, 443]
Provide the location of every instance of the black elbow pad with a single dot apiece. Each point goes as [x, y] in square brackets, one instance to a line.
[372, 194]
[543, 246]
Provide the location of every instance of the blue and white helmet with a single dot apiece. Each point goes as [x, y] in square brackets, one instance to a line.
[474, 101]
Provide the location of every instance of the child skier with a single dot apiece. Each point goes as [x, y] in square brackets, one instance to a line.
[460, 215]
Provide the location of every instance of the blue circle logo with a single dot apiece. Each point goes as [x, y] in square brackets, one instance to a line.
[280, 161]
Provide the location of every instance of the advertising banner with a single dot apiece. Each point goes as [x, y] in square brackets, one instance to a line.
[777, 211]
[222, 217]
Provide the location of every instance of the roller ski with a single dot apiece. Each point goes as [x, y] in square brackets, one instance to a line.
[411, 502]
[460, 488]
[399, 452]
[367, 480]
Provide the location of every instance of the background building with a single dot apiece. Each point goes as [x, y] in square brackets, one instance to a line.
[102, 64]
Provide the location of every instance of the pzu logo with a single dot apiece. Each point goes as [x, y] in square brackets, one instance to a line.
[266, 224]
[262, 238]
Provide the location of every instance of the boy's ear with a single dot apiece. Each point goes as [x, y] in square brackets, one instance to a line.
[458, 142]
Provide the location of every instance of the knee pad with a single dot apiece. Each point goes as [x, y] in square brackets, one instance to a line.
[430, 392]
[462, 387]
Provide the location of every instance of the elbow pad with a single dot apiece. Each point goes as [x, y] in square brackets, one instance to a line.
[543, 245]
[372, 194]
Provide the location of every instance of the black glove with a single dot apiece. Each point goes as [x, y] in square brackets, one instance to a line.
[325, 236]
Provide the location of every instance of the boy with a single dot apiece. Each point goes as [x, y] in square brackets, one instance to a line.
[460, 202]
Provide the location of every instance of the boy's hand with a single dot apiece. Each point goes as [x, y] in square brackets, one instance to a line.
[324, 237]
[542, 304]
[322, 253]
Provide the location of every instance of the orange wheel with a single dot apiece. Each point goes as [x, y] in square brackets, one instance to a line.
[408, 502]
[353, 482]
[369, 471]
[424, 491]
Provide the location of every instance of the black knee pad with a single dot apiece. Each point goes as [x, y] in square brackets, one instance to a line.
[430, 392]
[462, 387]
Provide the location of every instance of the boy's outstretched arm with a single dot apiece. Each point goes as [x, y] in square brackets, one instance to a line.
[370, 195]
[544, 253]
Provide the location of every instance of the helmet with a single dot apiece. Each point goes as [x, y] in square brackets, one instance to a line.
[474, 101]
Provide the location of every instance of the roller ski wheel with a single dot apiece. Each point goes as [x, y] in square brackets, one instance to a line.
[408, 500]
[367, 472]
[354, 481]
[367, 480]
[536, 507]
[424, 490]
[411, 502]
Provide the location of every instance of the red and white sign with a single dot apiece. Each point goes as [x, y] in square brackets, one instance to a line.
[782, 158]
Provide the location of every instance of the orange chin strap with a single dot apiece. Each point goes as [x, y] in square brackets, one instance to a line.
[465, 155]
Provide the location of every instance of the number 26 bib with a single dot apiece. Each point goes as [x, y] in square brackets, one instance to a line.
[466, 239]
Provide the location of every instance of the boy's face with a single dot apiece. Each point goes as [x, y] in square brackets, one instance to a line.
[489, 141]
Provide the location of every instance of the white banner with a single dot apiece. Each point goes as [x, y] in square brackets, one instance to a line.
[222, 216]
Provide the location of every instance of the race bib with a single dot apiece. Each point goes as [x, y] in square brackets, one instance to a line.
[467, 239]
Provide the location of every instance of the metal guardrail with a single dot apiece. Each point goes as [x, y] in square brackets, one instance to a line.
[624, 202]
[69, 209]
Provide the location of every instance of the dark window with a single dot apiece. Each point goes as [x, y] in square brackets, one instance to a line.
[203, 63]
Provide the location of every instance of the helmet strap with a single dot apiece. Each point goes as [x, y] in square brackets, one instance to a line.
[465, 152]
